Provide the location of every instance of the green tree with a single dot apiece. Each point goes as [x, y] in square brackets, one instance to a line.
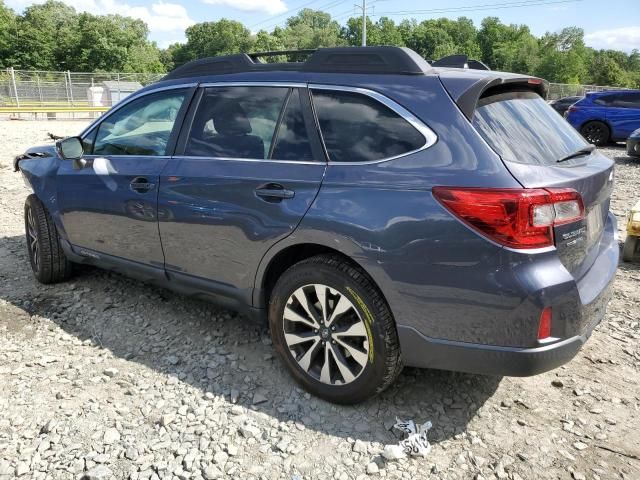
[382, 32]
[168, 54]
[144, 57]
[310, 29]
[508, 47]
[209, 39]
[266, 42]
[53, 36]
[8, 32]
[464, 35]
[564, 56]
[520, 56]
[45, 35]
[606, 69]
[431, 40]
[113, 43]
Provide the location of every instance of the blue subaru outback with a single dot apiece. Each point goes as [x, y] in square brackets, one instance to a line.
[377, 211]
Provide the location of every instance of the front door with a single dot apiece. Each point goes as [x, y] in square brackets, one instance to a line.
[249, 168]
[110, 205]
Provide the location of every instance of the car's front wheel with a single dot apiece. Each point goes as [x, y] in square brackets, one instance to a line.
[333, 330]
[595, 132]
[48, 261]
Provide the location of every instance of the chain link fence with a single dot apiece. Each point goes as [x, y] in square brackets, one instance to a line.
[560, 90]
[36, 93]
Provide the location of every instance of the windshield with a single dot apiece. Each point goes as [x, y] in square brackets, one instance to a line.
[521, 127]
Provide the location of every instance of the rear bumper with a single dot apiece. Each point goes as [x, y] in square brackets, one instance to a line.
[423, 352]
[592, 294]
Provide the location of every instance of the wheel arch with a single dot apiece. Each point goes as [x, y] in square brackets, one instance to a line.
[601, 120]
[275, 263]
[41, 174]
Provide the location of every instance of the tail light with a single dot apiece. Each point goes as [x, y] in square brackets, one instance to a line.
[544, 327]
[516, 218]
[572, 109]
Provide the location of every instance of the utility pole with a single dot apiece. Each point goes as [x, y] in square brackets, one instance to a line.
[364, 23]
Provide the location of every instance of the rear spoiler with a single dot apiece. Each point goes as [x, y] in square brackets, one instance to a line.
[467, 90]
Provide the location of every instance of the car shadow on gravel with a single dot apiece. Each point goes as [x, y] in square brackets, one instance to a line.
[215, 350]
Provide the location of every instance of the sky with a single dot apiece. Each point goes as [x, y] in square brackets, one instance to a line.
[611, 24]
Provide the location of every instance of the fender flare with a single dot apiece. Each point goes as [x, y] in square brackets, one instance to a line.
[340, 243]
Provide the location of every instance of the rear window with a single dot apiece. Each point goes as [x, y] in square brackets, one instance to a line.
[521, 127]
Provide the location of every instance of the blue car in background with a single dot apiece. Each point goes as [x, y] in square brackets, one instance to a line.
[603, 117]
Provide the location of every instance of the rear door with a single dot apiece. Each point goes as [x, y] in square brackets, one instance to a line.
[110, 205]
[248, 166]
[623, 114]
[531, 138]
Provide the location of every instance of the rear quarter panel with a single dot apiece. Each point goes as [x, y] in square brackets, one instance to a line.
[623, 121]
[586, 111]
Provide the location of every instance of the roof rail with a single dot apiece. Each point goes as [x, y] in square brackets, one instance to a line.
[378, 60]
[459, 61]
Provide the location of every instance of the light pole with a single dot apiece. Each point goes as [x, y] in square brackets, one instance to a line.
[363, 7]
[364, 23]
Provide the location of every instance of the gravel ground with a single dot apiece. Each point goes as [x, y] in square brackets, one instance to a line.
[105, 377]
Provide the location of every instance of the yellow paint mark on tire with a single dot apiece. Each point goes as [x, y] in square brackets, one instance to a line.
[368, 320]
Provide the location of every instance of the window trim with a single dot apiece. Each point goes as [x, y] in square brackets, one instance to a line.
[188, 121]
[429, 135]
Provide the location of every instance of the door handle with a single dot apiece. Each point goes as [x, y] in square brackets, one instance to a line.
[274, 192]
[141, 185]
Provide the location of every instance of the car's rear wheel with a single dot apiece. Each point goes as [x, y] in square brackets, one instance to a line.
[48, 261]
[595, 132]
[333, 330]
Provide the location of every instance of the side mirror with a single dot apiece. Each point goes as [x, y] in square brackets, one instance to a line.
[71, 148]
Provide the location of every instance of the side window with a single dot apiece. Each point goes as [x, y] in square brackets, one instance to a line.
[627, 100]
[141, 127]
[236, 122]
[292, 139]
[604, 101]
[358, 128]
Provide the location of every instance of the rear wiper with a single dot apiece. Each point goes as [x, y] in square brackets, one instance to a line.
[578, 153]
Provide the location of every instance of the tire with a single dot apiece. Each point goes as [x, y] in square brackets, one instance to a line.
[630, 248]
[48, 261]
[371, 359]
[595, 132]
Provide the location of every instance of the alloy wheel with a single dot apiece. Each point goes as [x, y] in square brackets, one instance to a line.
[594, 134]
[32, 239]
[325, 334]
